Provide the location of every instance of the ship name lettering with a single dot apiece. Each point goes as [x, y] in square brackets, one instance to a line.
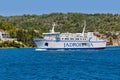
[72, 44]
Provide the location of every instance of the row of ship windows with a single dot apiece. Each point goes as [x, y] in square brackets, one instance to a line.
[72, 35]
[74, 39]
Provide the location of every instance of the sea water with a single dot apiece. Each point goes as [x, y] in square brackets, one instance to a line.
[28, 64]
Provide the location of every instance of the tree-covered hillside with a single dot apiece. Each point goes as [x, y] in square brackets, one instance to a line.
[26, 27]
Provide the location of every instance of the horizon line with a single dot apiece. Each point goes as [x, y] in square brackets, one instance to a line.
[7, 15]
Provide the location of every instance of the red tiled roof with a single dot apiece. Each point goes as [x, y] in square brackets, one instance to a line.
[2, 31]
[17, 29]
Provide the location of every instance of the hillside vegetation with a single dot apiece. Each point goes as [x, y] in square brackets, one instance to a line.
[27, 27]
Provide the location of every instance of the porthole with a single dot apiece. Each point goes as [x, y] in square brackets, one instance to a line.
[46, 44]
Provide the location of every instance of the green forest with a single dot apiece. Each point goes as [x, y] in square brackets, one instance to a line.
[26, 27]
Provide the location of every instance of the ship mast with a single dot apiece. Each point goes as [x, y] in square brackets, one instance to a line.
[52, 31]
[84, 28]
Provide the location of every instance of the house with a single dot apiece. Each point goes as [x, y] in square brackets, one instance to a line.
[36, 31]
[115, 42]
[4, 36]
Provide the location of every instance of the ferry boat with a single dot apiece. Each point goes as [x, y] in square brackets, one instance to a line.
[69, 41]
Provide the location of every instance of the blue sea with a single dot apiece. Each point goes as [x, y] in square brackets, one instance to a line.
[28, 64]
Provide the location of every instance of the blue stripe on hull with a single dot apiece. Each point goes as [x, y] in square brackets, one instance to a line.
[44, 49]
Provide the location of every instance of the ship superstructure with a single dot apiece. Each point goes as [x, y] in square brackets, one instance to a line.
[69, 41]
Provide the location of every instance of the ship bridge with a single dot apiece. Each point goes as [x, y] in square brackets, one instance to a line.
[52, 35]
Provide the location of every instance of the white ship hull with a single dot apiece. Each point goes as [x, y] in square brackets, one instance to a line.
[68, 45]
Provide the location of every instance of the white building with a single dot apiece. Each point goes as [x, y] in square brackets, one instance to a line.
[4, 36]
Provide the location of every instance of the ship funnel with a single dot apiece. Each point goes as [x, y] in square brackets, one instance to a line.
[84, 28]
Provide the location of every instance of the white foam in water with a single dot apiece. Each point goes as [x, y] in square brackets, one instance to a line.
[40, 50]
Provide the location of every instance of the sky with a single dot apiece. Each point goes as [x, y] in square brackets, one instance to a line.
[38, 7]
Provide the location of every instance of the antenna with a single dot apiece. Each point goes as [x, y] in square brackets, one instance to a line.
[84, 28]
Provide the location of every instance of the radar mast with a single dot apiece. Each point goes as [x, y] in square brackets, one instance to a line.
[52, 31]
[84, 28]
